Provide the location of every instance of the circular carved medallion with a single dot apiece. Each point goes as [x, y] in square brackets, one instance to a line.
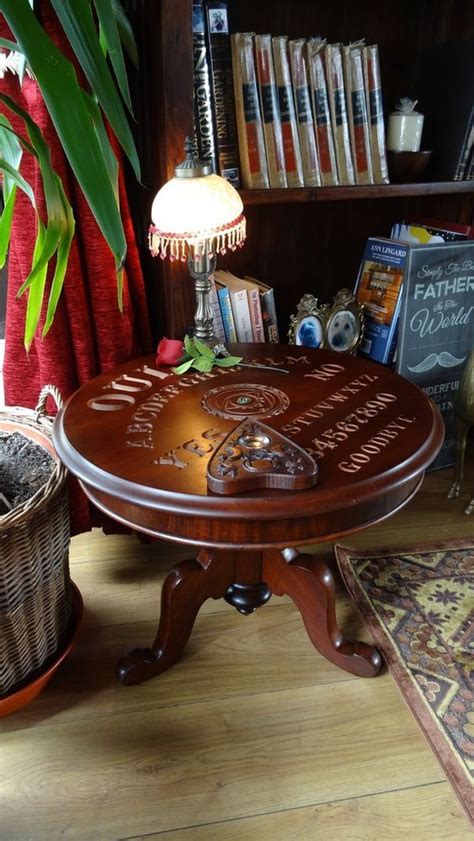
[243, 400]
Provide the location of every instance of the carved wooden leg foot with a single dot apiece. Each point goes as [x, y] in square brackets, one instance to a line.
[309, 582]
[186, 588]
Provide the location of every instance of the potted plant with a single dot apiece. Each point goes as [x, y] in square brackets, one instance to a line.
[39, 606]
[78, 111]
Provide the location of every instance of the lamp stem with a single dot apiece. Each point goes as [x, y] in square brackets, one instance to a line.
[200, 267]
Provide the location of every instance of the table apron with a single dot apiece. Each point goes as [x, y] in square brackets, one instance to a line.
[226, 533]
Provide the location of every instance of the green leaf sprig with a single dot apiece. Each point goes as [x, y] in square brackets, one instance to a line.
[198, 355]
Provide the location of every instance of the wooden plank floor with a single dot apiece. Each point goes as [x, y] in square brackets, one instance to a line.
[252, 735]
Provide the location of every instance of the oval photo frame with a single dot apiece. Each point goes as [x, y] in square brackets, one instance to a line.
[344, 326]
[338, 326]
[307, 327]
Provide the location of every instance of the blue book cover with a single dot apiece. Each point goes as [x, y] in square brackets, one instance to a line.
[226, 311]
[379, 289]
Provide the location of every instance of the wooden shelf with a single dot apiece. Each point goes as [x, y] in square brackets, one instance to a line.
[374, 191]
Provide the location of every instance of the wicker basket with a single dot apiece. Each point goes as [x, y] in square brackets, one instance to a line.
[35, 588]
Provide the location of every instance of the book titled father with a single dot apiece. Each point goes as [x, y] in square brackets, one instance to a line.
[437, 326]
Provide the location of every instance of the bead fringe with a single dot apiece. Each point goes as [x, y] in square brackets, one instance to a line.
[217, 241]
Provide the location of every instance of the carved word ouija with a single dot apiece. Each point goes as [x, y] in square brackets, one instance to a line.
[256, 456]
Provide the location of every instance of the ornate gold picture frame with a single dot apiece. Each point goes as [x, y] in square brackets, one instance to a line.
[307, 326]
[344, 324]
[338, 326]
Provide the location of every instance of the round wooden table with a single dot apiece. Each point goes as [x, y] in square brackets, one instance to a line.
[158, 452]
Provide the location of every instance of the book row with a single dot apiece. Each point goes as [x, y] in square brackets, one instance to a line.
[274, 112]
[243, 309]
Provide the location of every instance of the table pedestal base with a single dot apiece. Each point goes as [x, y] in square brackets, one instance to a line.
[247, 580]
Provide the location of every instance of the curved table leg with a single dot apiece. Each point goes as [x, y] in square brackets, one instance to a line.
[185, 589]
[310, 584]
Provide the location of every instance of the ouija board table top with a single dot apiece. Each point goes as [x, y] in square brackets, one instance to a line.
[248, 463]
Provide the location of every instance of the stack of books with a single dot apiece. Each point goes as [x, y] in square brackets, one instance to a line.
[308, 113]
[243, 308]
[385, 278]
[273, 112]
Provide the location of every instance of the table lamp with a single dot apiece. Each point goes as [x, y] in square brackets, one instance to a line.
[195, 216]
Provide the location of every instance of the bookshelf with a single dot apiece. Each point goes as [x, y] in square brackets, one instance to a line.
[299, 240]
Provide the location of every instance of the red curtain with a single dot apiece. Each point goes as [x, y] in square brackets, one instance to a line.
[89, 334]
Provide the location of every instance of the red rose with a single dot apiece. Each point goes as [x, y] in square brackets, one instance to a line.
[169, 352]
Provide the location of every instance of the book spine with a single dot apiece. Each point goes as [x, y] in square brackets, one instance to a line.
[203, 118]
[241, 313]
[217, 323]
[304, 116]
[322, 113]
[375, 108]
[270, 112]
[379, 288]
[226, 311]
[461, 171]
[469, 174]
[255, 309]
[249, 120]
[222, 87]
[289, 128]
[340, 125]
[270, 324]
[357, 114]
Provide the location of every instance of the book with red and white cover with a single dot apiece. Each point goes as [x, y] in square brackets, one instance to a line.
[270, 112]
[357, 114]
[373, 88]
[340, 124]
[304, 114]
[253, 160]
[322, 112]
[289, 127]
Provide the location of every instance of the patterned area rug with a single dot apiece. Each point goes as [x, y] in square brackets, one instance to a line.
[418, 604]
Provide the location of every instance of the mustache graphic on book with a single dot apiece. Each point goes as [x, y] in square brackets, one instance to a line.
[443, 359]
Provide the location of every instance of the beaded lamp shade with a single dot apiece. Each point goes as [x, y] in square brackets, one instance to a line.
[197, 209]
[197, 215]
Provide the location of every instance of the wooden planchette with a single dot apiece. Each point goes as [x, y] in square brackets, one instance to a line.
[256, 456]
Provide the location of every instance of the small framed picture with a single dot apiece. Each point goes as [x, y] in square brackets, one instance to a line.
[344, 323]
[307, 326]
[338, 326]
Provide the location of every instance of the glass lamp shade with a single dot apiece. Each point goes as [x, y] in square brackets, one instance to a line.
[200, 212]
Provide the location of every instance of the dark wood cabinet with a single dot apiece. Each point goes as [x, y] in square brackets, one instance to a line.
[307, 240]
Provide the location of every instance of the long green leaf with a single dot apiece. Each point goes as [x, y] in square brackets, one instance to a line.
[18, 180]
[103, 138]
[11, 150]
[61, 262]
[53, 239]
[9, 45]
[112, 167]
[110, 31]
[6, 219]
[78, 24]
[126, 33]
[36, 291]
[63, 97]
[56, 220]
